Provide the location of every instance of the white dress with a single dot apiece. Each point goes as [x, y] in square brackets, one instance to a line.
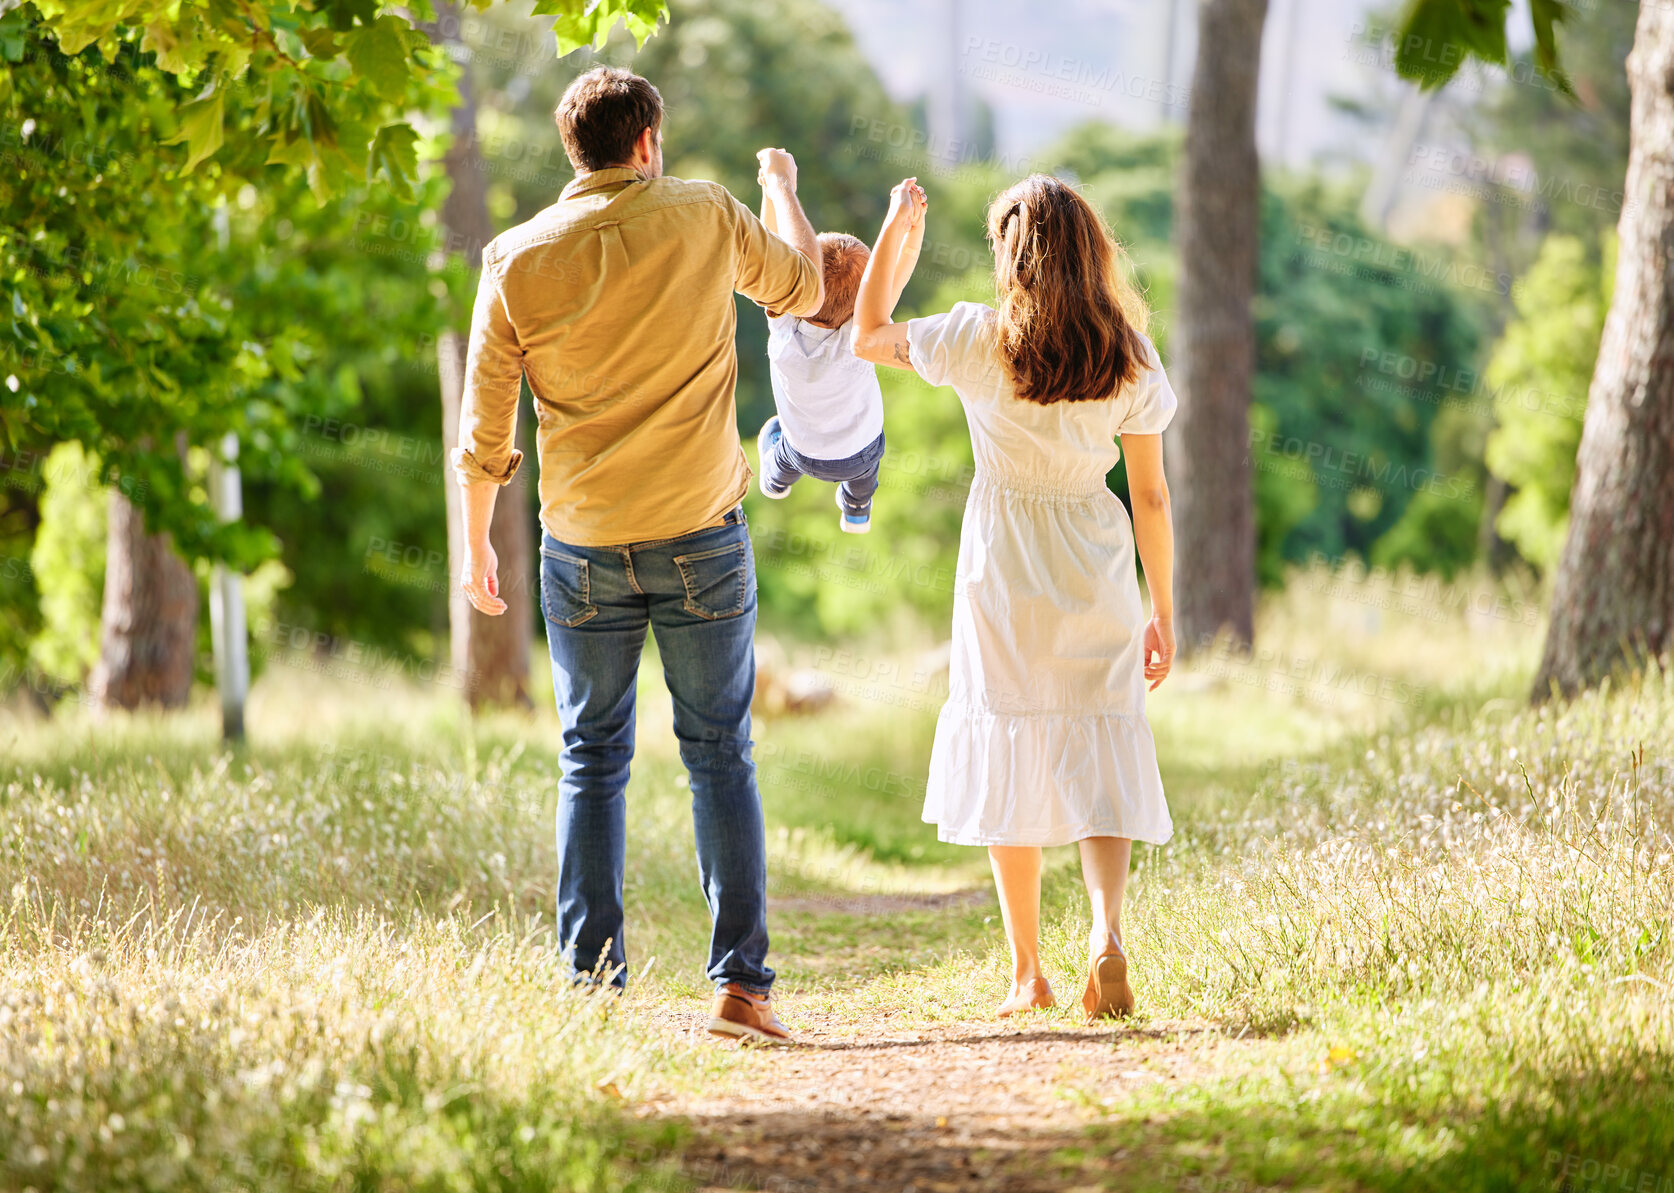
[1043, 740]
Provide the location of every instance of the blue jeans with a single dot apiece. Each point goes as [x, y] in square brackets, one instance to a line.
[697, 593]
[857, 476]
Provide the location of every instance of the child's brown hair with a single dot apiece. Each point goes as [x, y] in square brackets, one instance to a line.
[844, 258]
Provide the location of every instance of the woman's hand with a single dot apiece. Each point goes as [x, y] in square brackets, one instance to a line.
[907, 204]
[1159, 649]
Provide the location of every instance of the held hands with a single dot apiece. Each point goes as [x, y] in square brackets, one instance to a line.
[1159, 649]
[907, 204]
[776, 163]
[480, 579]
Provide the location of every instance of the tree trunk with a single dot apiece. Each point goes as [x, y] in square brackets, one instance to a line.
[1213, 340]
[1614, 597]
[150, 618]
[491, 654]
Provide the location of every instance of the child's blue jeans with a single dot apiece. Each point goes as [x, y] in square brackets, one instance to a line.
[857, 476]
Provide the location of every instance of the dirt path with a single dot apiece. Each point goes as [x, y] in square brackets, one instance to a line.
[954, 1106]
[915, 1103]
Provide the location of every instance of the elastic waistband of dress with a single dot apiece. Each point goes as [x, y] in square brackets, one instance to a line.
[1041, 488]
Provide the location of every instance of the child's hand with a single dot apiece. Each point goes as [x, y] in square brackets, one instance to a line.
[776, 163]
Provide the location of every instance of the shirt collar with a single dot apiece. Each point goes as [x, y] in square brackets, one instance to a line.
[595, 180]
[814, 333]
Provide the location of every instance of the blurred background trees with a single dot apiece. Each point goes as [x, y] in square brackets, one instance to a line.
[194, 247]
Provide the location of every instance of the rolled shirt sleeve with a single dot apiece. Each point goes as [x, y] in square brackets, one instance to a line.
[770, 272]
[493, 380]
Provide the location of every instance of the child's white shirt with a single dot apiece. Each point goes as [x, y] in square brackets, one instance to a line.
[830, 406]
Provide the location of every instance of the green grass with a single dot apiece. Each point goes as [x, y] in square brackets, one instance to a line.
[1411, 934]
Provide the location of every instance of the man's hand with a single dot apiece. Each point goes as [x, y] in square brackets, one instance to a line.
[481, 580]
[1159, 649]
[776, 163]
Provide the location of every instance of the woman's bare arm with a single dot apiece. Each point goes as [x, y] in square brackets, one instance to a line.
[877, 337]
[1153, 532]
[908, 258]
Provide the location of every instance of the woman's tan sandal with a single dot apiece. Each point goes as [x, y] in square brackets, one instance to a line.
[1108, 995]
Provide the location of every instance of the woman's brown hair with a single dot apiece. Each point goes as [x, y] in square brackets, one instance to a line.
[1070, 321]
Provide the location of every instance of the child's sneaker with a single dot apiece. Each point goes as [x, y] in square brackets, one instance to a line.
[852, 523]
[767, 442]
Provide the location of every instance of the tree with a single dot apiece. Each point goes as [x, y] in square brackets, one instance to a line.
[1213, 338]
[490, 653]
[1613, 600]
[149, 624]
[252, 95]
[1614, 596]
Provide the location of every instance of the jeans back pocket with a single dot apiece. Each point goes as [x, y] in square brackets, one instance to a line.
[566, 588]
[717, 581]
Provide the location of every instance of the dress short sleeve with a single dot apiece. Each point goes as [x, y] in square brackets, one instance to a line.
[1151, 400]
[955, 347]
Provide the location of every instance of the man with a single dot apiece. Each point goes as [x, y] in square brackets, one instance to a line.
[616, 303]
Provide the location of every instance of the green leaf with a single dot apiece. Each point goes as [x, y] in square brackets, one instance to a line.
[394, 156]
[162, 39]
[201, 128]
[13, 35]
[1546, 15]
[298, 152]
[344, 13]
[587, 23]
[233, 59]
[321, 42]
[378, 52]
[318, 121]
[1437, 36]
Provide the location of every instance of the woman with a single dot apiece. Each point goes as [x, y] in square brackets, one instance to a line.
[1043, 739]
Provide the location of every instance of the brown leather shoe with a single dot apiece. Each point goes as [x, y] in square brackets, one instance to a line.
[1108, 995]
[746, 1016]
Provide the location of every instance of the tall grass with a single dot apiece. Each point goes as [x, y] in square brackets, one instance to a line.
[1434, 920]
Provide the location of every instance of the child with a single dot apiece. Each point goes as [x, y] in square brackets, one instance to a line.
[1043, 740]
[829, 423]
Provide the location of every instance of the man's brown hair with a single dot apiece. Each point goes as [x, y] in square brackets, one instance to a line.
[844, 258]
[602, 114]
